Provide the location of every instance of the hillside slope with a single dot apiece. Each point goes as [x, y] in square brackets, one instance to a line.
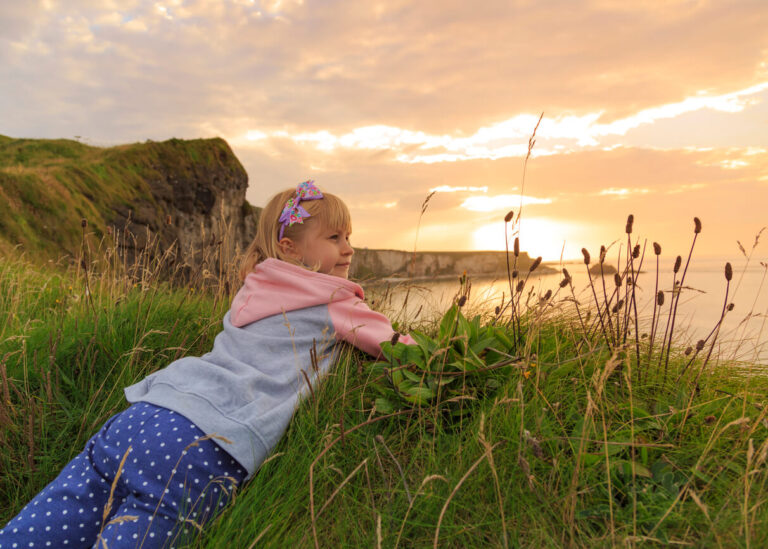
[182, 191]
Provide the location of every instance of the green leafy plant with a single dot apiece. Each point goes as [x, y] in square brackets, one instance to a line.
[465, 360]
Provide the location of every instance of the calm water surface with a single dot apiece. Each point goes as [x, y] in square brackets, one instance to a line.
[743, 335]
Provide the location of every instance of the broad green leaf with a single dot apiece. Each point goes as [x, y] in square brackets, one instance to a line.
[418, 395]
[437, 359]
[396, 374]
[479, 346]
[463, 329]
[427, 345]
[506, 342]
[624, 466]
[613, 449]
[378, 368]
[492, 383]
[473, 361]
[441, 381]
[416, 378]
[591, 459]
[474, 328]
[384, 406]
[448, 323]
[386, 350]
[412, 354]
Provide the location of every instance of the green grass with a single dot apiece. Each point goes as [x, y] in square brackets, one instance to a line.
[570, 446]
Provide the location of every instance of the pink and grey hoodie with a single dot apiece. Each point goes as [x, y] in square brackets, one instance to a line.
[247, 388]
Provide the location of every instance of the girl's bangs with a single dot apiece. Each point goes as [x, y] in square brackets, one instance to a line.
[330, 211]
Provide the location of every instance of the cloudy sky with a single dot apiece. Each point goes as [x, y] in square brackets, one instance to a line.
[659, 109]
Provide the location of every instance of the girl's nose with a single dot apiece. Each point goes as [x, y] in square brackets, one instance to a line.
[347, 249]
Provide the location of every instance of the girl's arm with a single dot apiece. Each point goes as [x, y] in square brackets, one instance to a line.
[357, 324]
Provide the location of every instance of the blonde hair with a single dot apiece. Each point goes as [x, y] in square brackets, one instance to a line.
[330, 211]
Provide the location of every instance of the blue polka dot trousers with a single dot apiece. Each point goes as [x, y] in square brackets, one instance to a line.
[172, 482]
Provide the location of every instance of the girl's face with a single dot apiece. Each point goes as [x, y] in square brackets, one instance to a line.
[328, 248]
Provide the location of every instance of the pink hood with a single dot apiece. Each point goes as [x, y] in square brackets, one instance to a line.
[276, 286]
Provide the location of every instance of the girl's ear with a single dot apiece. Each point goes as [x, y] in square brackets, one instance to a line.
[288, 248]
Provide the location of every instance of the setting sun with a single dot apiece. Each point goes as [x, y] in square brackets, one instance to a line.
[538, 235]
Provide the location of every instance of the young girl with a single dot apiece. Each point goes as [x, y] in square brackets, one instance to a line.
[201, 426]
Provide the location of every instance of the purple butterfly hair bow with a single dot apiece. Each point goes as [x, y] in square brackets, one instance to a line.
[293, 212]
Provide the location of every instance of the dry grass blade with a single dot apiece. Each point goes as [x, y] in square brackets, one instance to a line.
[258, 538]
[531, 143]
[330, 445]
[380, 440]
[456, 489]
[489, 452]
[378, 530]
[122, 519]
[111, 499]
[418, 226]
[193, 444]
[424, 482]
[188, 520]
[340, 486]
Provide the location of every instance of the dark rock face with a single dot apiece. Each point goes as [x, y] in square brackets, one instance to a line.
[193, 204]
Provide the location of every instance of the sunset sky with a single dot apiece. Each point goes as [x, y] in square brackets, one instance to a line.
[659, 109]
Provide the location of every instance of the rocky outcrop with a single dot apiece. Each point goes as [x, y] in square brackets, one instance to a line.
[182, 200]
[195, 202]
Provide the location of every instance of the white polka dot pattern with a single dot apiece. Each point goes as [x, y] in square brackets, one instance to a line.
[161, 485]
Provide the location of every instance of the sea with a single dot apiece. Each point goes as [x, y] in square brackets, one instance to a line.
[742, 336]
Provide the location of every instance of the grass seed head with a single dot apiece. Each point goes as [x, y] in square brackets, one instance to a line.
[688, 350]
[603, 253]
[585, 253]
[728, 271]
[617, 280]
[566, 274]
[535, 264]
[547, 295]
[657, 248]
[617, 306]
[730, 307]
[678, 262]
[83, 223]
[520, 285]
[564, 282]
[462, 301]
[630, 222]
[395, 338]
[696, 225]
[660, 298]
[515, 273]
[636, 251]
[509, 216]
[517, 246]
[699, 345]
